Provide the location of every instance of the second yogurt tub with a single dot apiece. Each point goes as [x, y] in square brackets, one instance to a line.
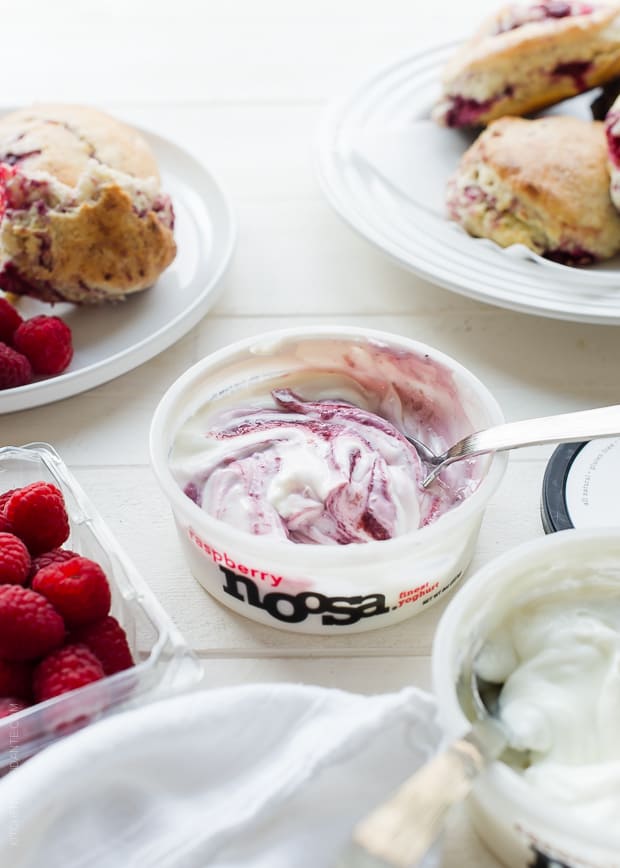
[298, 499]
[546, 620]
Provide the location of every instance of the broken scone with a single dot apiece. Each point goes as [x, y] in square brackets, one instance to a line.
[528, 56]
[82, 217]
[543, 183]
[612, 131]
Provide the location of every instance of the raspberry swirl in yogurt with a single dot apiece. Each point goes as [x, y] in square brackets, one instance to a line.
[323, 471]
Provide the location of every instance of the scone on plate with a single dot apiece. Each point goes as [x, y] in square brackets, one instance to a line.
[528, 56]
[612, 131]
[543, 183]
[82, 216]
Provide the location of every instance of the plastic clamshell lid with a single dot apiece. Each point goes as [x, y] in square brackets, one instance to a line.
[163, 662]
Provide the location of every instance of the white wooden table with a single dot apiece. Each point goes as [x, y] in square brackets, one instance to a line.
[243, 84]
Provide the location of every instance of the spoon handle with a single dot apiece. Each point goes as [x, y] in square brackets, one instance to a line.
[565, 428]
[399, 832]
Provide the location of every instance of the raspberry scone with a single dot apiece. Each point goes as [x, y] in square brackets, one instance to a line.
[543, 183]
[82, 217]
[612, 130]
[528, 56]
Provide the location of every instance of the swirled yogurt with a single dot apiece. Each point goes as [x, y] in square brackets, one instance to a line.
[318, 456]
[558, 659]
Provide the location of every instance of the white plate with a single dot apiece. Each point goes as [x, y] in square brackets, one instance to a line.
[111, 340]
[383, 165]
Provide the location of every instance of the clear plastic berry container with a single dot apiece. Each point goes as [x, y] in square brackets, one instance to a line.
[163, 662]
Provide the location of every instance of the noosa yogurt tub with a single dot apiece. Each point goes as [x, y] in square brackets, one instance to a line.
[298, 499]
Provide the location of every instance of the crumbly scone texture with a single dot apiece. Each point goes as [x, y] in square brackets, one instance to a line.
[97, 247]
[543, 183]
[612, 130]
[61, 139]
[519, 71]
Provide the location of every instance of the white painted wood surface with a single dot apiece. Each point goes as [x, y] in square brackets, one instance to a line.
[242, 85]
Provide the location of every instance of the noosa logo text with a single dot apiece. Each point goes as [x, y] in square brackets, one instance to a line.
[294, 608]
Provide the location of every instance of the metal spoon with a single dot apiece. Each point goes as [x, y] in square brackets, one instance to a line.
[400, 832]
[564, 428]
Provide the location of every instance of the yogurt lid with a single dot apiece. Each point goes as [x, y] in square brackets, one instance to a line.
[581, 486]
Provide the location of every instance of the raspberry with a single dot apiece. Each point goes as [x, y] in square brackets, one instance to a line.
[67, 669]
[46, 342]
[5, 524]
[14, 560]
[108, 642]
[9, 320]
[29, 625]
[78, 589]
[15, 369]
[5, 497]
[55, 556]
[38, 516]
[15, 679]
[11, 705]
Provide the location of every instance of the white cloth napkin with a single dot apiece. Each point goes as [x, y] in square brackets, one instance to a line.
[272, 776]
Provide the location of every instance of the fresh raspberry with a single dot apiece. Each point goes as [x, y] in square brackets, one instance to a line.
[5, 524]
[108, 642]
[14, 560]
[15, 679]
[29, 625]
[11, 705]
[9, 321]
[55, 556]
[5, 497]
[38, 516]
[15, 369]
[67, 669]
[78, 589]
[46, 342]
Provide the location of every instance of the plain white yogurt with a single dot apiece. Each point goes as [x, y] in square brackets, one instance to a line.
[558, 658]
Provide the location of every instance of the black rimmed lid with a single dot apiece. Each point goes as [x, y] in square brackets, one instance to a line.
[581, 486]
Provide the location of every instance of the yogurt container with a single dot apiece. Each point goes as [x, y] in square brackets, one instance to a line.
[556, 600]
[304, 586]
[580, 486]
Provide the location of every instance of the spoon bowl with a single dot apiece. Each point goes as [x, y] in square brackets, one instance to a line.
[563, 428]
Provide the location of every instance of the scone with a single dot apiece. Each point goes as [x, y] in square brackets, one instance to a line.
[528, 56]
[543, 183]
[612, 130]
[82, 217]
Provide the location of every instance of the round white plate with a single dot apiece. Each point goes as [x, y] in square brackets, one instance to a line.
[383, 165]
[111, 340]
